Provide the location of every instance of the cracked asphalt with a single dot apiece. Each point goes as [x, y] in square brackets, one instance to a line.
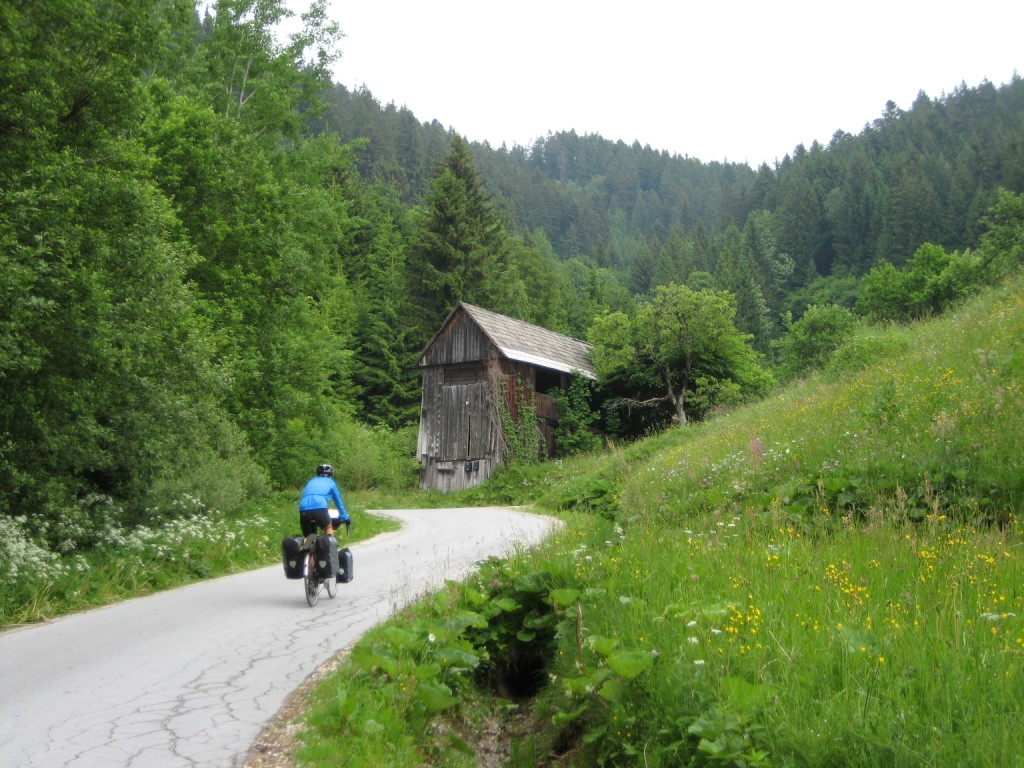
[190, 677]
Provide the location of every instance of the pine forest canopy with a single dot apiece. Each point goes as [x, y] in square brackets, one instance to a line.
[217, 263]
[839, 207]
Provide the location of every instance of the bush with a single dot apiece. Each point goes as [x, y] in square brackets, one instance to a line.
[373, 457]
[931, 282]
[1002, 246]
[573, 434]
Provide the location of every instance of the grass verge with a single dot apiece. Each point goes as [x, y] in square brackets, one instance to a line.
[198, 543]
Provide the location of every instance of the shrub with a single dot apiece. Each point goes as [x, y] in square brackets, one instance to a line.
[813, 338]
[573, 435]
[932, 281]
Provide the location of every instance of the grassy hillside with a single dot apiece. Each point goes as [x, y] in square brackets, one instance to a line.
[830, 577]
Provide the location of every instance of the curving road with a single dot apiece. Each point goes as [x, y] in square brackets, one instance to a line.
[190, 677]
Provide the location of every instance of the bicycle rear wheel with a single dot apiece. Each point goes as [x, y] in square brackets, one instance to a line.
[332, 586]
[311, 580]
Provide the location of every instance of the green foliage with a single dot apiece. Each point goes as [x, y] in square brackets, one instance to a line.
[595, 495]
[799, 233]
[459, 241]
[187, 279]
[384, 375]
[68, 74]
[930, 282]
[244, 73]
[812, 340]
[680, 349]
[405, 676]
[1002, 244]
[364, 457]
[519, 426]
[883, 295]
[375, 457]
[573, 434]
[729, 736]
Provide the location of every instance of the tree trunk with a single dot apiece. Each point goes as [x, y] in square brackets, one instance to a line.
[677, 400]
[680, 410]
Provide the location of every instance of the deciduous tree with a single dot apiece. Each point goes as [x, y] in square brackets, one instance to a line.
[679, 349]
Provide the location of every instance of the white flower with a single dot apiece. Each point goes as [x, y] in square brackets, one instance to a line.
[698, 662]
[693, 640]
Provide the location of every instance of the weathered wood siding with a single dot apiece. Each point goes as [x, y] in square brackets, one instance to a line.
[461, 341]
[460, 439]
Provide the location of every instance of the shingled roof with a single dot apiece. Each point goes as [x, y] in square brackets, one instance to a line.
[528, 343]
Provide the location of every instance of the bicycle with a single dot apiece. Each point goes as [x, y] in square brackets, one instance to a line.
[315, 584]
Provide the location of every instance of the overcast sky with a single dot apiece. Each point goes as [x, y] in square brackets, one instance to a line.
[716, 79]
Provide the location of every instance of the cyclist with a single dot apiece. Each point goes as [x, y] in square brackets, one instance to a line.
[316, 500]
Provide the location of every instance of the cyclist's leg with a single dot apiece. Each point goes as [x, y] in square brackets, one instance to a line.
[312, 520]
[323, 519]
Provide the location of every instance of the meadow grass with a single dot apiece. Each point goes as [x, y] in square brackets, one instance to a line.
[828, 577]
[895, 644]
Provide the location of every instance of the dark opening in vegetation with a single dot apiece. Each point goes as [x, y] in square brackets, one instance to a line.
[521, 674]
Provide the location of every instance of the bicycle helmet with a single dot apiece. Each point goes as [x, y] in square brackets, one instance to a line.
[325, 470]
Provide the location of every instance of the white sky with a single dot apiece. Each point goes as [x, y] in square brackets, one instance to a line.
[736, 80]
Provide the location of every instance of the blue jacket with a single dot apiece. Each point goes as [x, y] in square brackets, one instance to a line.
[318, 494]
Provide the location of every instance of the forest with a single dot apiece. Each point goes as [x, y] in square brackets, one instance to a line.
[219, 267]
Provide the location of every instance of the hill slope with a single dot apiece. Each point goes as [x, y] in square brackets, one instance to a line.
[828, 577]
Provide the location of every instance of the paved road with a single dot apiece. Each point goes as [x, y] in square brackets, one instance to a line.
[191, 677]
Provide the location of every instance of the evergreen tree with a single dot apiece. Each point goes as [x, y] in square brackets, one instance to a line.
[458, 242]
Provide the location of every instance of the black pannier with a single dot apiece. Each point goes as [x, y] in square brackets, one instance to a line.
[293, 557]
[326, 556]
[345, 566]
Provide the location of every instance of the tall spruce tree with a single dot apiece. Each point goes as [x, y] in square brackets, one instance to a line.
[459, 241]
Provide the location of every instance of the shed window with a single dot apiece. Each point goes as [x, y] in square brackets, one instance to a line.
[548, 380]
[462, 374]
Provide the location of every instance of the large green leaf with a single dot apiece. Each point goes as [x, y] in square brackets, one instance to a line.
[456, 657]
[563, 597]
[629, 664]
[506, 604]
[434, 697]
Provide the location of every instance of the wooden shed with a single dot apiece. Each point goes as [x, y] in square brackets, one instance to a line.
[479, 364]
